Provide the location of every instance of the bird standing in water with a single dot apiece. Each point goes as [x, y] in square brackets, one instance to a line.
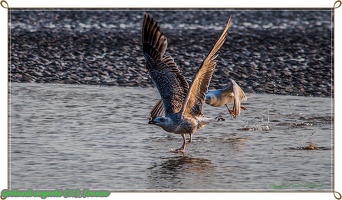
[182, 104]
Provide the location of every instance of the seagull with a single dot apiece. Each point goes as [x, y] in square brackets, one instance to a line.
[182, 103]
[216, 98]
[231, 94]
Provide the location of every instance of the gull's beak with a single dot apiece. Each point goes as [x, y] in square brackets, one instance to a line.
[151, 122]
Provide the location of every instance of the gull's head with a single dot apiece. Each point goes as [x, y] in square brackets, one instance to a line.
[163, 122]
[210, 99]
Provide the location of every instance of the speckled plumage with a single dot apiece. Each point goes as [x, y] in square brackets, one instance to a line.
[182, 104]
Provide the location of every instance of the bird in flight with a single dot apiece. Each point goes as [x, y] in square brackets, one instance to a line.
[182, 103]
[216, 98]
[231, 94]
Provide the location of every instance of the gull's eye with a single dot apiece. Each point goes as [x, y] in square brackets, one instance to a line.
[162, 119]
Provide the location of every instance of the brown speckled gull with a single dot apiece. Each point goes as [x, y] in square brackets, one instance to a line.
[182, 104]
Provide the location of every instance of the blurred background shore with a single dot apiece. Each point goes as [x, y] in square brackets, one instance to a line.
[287, 52]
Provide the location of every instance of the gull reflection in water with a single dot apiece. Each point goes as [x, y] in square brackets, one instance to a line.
[178, 172]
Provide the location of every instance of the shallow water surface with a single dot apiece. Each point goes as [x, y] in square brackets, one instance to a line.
[79, 136]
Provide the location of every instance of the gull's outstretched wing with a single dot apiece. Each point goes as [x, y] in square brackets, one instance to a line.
[163, 71]
[236, 94]
[194, 99]
[157, 110]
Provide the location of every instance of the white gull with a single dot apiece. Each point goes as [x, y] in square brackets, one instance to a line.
[231, 94]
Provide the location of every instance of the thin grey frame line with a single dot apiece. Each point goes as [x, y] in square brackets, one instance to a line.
[10, 9]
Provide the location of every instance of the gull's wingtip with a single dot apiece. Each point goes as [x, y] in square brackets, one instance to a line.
[229, 21]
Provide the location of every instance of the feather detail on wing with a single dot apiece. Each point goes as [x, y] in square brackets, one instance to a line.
[163, 71]
[194, 99]
[157, 110]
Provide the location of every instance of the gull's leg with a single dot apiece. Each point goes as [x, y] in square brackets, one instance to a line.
[231, 112]
[182, 149]
[243, 107]
[190, 138]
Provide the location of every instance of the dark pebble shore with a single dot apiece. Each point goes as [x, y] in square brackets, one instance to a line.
[285, 52]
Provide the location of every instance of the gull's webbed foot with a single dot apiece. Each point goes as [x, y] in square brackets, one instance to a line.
[243, 108]
[182, 149]
[231, 112]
